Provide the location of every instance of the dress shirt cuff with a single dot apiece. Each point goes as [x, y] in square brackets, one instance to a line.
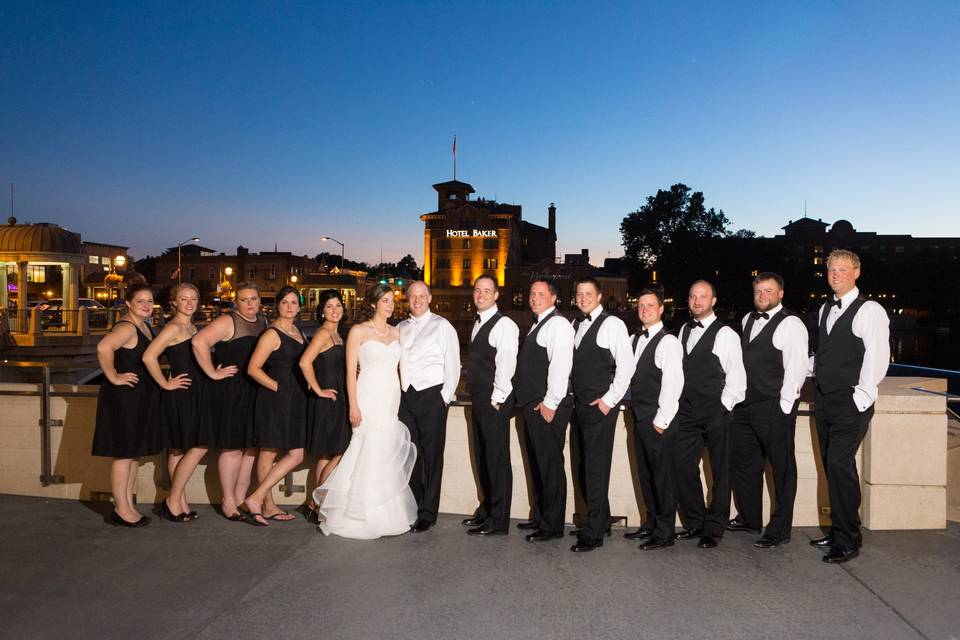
[448, 395]
[610, 400]
[863, 399]
[498, 396]
[727, 401]
[550, 403]
[786, 405]
[659, 422]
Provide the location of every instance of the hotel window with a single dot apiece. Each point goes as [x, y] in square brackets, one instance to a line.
[443, 243]
[251, 274]
[466, 263]
[490, 243]
[898, 249]
[466, 243]
[818, 260]
[94, 259]
[272, 275]
[443, 263]
[210, 276]
[36, 273]
[489, 263]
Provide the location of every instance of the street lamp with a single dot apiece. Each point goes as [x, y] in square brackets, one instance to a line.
[180, 244]
[325, 238]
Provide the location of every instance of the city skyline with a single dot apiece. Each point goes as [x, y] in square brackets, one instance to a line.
[145, 126]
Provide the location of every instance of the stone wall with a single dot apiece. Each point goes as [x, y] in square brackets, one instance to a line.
[903, 461]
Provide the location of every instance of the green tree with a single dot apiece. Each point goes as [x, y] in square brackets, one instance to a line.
[674, 234]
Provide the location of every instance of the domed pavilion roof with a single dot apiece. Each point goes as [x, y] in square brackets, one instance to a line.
[39, 237]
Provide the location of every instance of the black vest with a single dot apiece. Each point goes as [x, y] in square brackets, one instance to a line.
[763, 361]
[593, 366]
[703, 375]
[839, 353]
[647, 378]
[530, 380]
[483, 366]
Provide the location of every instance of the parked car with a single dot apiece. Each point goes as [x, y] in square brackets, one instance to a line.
[51, 312]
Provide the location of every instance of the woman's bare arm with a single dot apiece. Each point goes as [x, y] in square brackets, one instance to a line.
[268, 342]
[217, 331]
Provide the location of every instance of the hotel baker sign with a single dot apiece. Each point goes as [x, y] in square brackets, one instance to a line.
[471, 233]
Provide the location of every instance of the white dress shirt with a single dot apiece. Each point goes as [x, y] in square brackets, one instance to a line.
[791, 338]
[669, 359]
[556, 337]
[727, 349]
[612, 335]
[429, 354]
[872, 325]
[505, 338]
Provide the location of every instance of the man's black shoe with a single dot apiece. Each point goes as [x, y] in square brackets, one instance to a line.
[639, 534]
[483, 531]
[656, 543]
[540, 536]
[838, 555]
[765, 542]
[739, 525]
[420, 526]
[825, 541]
[528, 524]
[586, 544]
[579, 532]
[688, 534]
[708, 542]
[472, 521]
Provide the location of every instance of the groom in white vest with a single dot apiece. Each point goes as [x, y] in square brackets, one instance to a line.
[429, 373]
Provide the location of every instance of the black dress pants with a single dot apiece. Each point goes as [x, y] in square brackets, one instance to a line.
[491, 448]
[694, 433]
[841, 428]
[425, 415]
[654, 456]
[759, 432]
[546, 457]
[595, 433]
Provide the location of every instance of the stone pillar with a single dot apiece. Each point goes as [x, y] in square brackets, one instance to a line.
[3, 286]
[22, 318]
[69, 296]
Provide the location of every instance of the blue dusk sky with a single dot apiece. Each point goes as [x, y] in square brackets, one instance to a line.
[145, 123]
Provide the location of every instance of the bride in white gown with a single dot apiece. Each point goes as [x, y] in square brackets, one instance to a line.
[368, 495]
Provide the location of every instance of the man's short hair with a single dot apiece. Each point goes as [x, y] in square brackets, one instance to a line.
[769, 275]
[588, 280]
[843, 254]
[487, 276]
[652, 290]
[713, 289]
[551, 285]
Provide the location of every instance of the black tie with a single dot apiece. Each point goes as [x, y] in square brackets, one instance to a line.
[644, 334]
[476, 317]
[756, 315]
[838, 302]
[584, 317]
[695, 323]
[536, 319]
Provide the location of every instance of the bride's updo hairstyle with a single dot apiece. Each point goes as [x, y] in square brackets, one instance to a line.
[371, 299]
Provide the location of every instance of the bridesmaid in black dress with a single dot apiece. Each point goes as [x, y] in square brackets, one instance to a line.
[128, 403]
[226, 417]
[180, 398]
[281, 409]
[324, 368]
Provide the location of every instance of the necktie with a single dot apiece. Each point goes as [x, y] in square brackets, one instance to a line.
[756, 315]
[536, 319]
[695, 323]
[584, 317]
[838, 302]
[476, 317]
[644, 334]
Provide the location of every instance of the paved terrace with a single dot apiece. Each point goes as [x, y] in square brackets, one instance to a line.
[66, 574]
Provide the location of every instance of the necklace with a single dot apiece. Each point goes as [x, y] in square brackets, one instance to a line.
[290, 332]
[382, 335]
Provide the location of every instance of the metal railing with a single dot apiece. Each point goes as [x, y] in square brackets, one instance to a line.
[46, 423]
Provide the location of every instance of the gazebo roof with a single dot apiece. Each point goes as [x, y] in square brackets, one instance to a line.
[39, 237]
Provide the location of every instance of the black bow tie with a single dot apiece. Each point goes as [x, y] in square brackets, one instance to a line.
[536, 319]
[695, 323]
[756, 315]
[838, 302]
[584, 317]
[476, 317]
[644, 334]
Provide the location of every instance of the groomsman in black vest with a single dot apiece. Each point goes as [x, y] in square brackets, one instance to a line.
[493, 361]
[602, 367]
[776, 358]
[655, 396]
[429, 374]
[714, 382]
[852, 355]
[542, 390]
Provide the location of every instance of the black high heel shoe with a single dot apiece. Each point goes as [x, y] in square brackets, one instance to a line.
[171, 516]
[117, 520]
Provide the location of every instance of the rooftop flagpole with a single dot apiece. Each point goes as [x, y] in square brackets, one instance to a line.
[454, 156]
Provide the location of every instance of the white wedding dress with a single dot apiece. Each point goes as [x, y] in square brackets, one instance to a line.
[368, 495]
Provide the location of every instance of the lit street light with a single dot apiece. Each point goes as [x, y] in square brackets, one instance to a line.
[180, 244]
[325, 238]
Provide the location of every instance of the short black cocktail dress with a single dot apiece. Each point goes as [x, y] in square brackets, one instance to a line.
[180, 408]
[127, 425]
[281, 415]
[328, 421]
